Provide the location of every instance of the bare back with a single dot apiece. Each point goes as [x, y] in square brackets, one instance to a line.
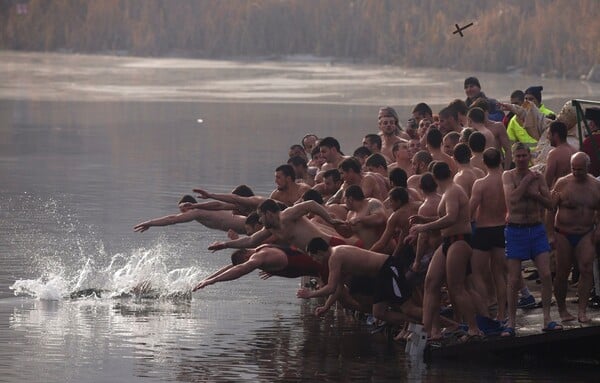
[492, 211]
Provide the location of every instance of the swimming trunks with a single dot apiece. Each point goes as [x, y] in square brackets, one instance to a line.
[390, 284]
[486, 238]
[447, 241]
[361, 285]
[573, 238]
[525, 241]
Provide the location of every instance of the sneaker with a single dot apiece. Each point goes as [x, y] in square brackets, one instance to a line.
[526, 302]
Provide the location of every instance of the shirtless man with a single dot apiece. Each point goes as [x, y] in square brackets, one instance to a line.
[397, 224]
[449, 141]
[420, 162]
[350, 170]
[477, 144]
[373, 142]
[309, 142]
[276, 260]
[434, 146]
[501, 140]
[451, 260]
[488, 261]
[214, 219]
[290, 226]
[390, 286]
[330, 150]
[467, 174]
[476, 118]
[526, 194]
[577, 198]
[332, 182]
[449, 121]
[558, 163]
[301, 171]
[428, 241]
[401, 158]
[287, 191]
[377, 167]
[388, 126]
[366, 217]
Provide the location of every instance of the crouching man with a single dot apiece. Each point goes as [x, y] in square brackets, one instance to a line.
[388, 277]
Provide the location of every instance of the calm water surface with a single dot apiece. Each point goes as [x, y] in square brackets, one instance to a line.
[90, 146]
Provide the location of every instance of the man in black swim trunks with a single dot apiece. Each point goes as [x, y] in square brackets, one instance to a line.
[577, 200]
[390, 286]
[451, 261]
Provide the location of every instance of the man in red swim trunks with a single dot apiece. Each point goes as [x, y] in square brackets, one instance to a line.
[276, 260]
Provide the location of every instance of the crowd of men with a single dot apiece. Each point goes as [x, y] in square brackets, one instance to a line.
[435, 214]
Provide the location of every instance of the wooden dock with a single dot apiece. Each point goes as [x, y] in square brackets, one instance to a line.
[568, 344]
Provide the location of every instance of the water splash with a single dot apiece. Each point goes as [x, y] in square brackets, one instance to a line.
[142, 274]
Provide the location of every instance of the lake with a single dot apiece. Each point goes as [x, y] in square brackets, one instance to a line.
[92, 145]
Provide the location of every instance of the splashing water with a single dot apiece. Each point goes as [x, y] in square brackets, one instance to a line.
[142, 274]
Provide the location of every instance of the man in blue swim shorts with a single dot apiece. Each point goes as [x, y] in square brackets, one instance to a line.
[526, 194]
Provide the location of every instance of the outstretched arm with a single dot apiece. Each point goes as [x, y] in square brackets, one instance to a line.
[211, 205]
[173, 219]
[251, 202]
[303, 208]
[232, 273]
[244, 242]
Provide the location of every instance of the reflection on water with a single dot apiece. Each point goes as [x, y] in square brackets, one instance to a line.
[127, 340]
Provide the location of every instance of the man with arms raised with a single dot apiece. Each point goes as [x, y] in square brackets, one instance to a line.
[214, 215]
[526, 194]
[290, 226]
[577, 199]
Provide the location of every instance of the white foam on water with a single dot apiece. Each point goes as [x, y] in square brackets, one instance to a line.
[143, 273]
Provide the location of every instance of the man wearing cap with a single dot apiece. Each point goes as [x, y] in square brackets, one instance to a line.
[473, 92]
[591, 144]
[534, 94]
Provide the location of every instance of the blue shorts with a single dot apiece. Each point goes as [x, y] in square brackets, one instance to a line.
[525, 242]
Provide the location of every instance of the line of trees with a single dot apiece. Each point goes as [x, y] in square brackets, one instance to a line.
[561, 37]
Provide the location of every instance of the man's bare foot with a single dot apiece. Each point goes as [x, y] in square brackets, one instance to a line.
[566, 316]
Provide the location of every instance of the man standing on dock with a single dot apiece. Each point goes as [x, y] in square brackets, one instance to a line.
[577, 200]
[526, 194]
